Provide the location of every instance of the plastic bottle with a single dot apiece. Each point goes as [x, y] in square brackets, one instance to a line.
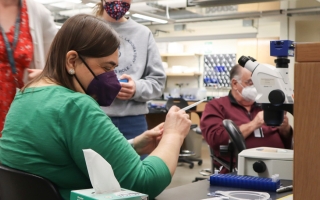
[201, 93]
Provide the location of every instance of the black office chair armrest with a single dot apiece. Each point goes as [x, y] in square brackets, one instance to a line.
[235, 135]
[193, 126]
[224, 150]
[222, 162]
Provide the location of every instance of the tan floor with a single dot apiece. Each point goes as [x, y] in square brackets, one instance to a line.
[185, 175]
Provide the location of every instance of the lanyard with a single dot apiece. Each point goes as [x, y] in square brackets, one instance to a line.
[10, 48]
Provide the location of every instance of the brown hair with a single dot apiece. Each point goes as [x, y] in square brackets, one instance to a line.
[98, 9]
[85, 34]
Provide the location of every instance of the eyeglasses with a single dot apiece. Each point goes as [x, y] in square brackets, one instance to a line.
[248, 82]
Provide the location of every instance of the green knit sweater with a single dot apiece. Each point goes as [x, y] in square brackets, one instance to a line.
[46, 130]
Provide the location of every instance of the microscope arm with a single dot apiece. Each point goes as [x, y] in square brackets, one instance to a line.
[286, 107]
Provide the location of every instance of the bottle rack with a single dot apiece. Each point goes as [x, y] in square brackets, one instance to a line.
[217, 69]
[245, 182]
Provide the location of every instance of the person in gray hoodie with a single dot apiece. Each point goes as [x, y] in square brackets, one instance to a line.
[139, 63]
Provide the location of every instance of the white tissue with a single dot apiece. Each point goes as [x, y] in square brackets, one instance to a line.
[100, 172]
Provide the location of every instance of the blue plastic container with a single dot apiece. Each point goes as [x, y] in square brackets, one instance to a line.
[245, 182]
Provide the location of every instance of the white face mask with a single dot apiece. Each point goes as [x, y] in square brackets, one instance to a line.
[249, 93]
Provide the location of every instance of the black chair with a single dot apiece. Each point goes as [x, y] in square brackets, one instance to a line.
[17, 185]
[206, 172]
[236, 145]
[235, 135]
[185, 155]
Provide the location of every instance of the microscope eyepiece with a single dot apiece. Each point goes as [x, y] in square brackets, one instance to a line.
[243, 60]
[252, 59]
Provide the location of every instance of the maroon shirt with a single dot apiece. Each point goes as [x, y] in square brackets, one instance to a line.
[227, 108]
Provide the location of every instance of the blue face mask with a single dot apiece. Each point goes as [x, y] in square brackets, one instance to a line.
[116, 9]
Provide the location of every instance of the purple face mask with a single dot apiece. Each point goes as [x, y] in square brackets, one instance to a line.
[104, 88]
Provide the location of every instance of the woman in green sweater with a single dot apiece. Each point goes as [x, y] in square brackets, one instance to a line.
[57, 115]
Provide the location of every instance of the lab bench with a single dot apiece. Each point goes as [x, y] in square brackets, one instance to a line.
[158, 115]
[200, 190]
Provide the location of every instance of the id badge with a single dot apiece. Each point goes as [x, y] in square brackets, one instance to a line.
[258, 133]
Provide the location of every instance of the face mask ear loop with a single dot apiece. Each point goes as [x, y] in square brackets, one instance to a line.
[88, 67]
[242, 89]
[79, 83]
[240, 84]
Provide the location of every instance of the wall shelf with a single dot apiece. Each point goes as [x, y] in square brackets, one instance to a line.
[180, 55]
[221, 88]
[187, 60]
[184, 74]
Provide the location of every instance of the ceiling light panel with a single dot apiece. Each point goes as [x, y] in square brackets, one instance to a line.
[71, 13]
[173, 4]
[49, 1]
[142, 7]
[74, 1]
[91, 5]
[67, 5]
[150, 18]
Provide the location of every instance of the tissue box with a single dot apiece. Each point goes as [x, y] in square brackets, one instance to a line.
[89, 194]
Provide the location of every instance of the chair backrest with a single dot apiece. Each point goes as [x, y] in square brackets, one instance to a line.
[212, 159]
[235, 135]
[236, 145]
[179, 102]
[221, 162]
[17, 185]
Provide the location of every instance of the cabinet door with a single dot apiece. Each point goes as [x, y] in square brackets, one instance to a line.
[256, 48]
[263, 53]
[306, 131]
[252, 7]
[247, 47]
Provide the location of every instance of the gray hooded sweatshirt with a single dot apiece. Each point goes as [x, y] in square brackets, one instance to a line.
[138, 57]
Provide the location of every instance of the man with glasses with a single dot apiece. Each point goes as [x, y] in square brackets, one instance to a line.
[240, 107]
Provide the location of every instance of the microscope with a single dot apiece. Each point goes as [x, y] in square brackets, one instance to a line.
[275, 93]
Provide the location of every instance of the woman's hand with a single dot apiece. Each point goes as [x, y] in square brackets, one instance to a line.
[149, 140]
[175, 129]
[177, 122]
[127, 89]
